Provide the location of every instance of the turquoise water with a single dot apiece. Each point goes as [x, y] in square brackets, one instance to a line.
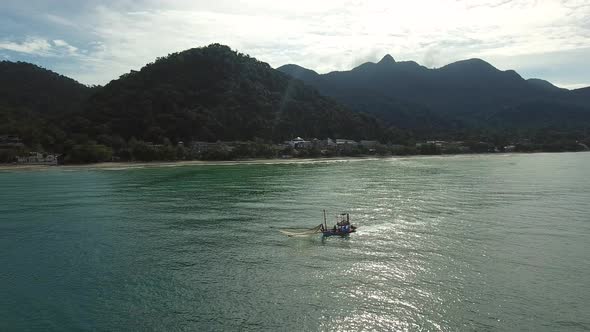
[487, 243]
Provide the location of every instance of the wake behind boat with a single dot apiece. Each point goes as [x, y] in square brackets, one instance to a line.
[343, 227]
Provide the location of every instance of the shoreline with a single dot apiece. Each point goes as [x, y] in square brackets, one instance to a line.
[114, 165]
[117, 165]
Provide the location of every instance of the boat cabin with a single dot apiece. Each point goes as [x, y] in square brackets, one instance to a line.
[342, 227]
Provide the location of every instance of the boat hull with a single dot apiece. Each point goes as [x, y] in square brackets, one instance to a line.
[337, 233]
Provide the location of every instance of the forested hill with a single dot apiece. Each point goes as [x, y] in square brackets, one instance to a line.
[38, 105]
[28, 87]
[215, 93]
[203, 94]
[467, 92]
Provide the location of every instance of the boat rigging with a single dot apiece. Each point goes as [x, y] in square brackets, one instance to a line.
[342, 228]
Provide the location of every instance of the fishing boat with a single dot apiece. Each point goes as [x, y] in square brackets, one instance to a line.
[342, 228]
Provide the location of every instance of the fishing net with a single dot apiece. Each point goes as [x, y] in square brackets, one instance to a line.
[297, 232]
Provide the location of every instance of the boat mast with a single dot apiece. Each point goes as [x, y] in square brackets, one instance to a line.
[325, 223]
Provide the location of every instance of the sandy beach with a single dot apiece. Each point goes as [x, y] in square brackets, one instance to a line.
[128, 165]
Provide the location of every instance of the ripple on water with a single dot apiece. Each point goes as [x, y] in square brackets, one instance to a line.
[444, 244]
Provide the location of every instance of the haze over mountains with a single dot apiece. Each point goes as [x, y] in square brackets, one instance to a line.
[468, 93]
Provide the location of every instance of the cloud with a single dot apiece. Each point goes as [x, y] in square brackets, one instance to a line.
[431, 57]
[570, 86]
[58, 43]
[564, 68]
[30, 46]
[40, 47]
[60, 20]
[108, 38]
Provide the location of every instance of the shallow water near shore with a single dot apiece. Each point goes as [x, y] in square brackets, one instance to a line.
[488, 242]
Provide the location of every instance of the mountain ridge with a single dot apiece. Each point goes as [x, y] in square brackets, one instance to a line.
[214, 93]
[285, 68]
[38, 89]
[466, 92]
[222, 94]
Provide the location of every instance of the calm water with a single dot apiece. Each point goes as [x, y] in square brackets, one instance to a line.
[487, 243]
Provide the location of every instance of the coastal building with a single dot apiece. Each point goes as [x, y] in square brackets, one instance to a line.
[449, 147]
[299, 143]
[327, 143]
[346, 145]
[368, 144]
[509, 148]
[199, 146]
[37, 158]
[330, 143]
[343, 141]
[439, 144]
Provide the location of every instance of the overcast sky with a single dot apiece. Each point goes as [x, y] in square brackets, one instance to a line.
[96, 41]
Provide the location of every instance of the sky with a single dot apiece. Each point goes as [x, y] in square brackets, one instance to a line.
[97, 41]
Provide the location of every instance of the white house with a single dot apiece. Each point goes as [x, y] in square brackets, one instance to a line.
[341, 141]
[37, 158]
[299, 143]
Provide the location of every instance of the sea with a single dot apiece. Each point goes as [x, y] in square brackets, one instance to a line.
[497, 242]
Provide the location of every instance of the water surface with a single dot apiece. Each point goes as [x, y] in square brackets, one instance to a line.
[495, 242]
